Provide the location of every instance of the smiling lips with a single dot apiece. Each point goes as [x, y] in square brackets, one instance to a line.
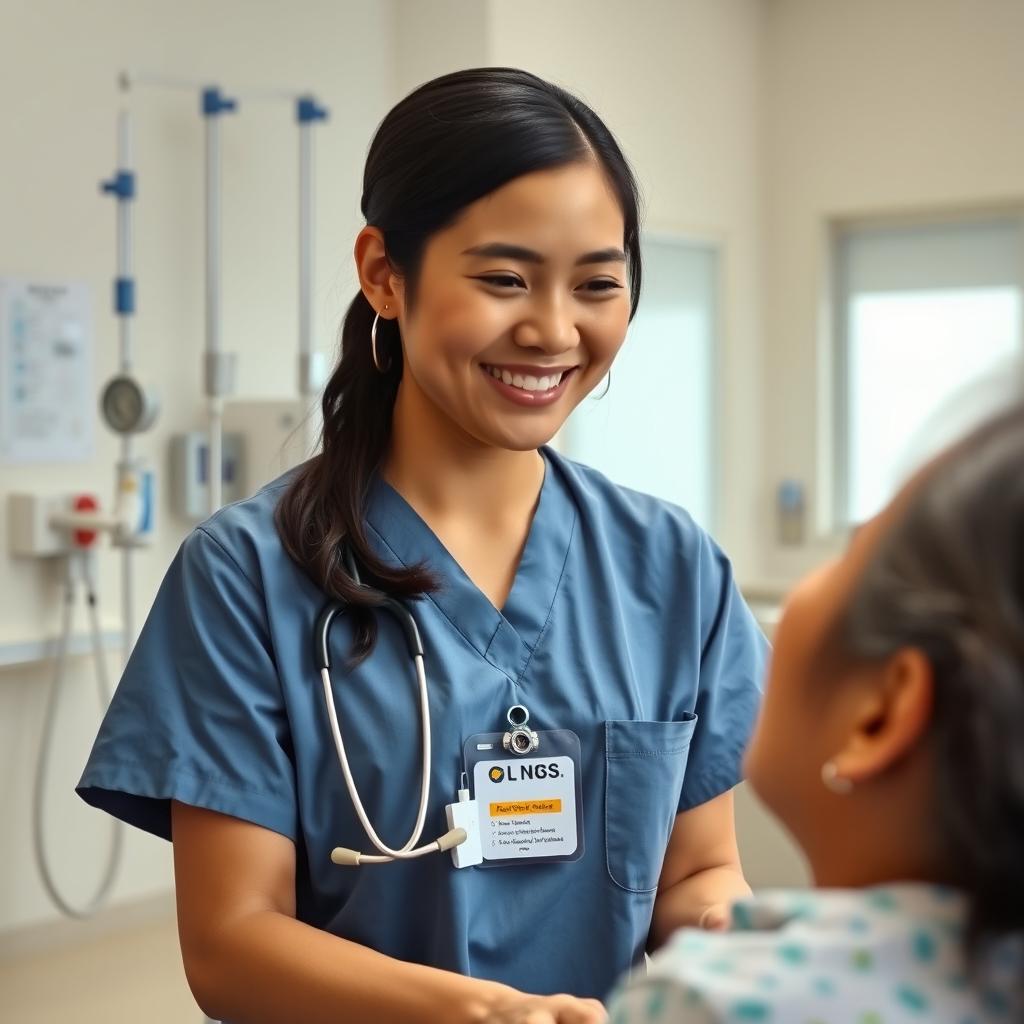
[529, 385]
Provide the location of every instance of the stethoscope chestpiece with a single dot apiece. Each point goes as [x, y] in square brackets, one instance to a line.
[520, 739]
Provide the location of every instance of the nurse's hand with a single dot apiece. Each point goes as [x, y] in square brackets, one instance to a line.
[715, 918]
[519, 1008]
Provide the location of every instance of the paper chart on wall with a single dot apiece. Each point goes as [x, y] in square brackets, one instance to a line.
[47, 392]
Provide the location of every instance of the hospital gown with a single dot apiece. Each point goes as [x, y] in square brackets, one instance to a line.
[887, 955]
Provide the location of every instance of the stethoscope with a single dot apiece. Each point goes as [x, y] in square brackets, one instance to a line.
[342, 855]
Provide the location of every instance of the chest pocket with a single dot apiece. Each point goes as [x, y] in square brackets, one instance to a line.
[645, 765]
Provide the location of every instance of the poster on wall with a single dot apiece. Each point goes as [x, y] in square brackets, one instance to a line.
[47, 393]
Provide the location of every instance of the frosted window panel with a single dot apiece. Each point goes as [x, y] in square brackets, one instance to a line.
[923, 367]
[653, 431]
[929, 345]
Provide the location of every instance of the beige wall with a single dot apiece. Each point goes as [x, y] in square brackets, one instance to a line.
[870, 107]
[438, 37]
[58, 106]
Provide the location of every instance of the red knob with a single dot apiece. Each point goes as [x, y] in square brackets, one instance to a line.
[85, 503]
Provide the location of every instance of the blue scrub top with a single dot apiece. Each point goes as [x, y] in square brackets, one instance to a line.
[623, 625]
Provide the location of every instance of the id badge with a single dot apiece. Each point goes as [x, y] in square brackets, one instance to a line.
[529, 793]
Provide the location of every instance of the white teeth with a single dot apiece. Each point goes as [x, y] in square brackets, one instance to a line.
[526, 382]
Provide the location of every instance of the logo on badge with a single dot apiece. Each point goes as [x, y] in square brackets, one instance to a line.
[496, 774]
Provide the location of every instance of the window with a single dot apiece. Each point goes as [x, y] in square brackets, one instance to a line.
[929, 342]
[654, 430]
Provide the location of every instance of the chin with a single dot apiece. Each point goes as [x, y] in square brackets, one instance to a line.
[520, 443]
[518, 437]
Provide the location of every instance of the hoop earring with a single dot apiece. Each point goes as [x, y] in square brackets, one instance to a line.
[373, 345]
[834, 782]
[607, 387]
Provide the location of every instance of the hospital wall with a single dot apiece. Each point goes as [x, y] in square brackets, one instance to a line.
[879, 107]
[58, 105]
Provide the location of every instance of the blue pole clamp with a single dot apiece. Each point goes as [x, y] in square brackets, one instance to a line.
[121, 185]
[124, 295]
[214, 102]
[307, 110]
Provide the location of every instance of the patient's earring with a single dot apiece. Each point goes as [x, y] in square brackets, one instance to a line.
[373, 344]
[834, 782]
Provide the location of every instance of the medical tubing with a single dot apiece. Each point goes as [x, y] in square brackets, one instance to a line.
[45, 748]
[406, 851]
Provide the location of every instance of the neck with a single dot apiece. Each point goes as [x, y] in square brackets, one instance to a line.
[444, 472]
[881, 833]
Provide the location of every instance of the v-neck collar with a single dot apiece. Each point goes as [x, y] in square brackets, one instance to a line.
[506, 638]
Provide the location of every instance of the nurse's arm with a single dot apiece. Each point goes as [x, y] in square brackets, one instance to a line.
[701, 873]
[247, 958]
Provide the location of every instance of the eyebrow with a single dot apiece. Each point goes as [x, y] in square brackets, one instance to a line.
[503, 250]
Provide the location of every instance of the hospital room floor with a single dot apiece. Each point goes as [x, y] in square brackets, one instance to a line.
[131, 975]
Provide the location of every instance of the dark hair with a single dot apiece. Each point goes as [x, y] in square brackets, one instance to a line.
[447, 144]
[948, 579]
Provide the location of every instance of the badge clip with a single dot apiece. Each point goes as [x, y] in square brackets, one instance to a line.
[520, 739]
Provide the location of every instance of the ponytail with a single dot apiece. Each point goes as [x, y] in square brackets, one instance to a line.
[323, 511]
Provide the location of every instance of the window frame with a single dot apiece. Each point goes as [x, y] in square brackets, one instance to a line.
[833, 491]
[715, 242]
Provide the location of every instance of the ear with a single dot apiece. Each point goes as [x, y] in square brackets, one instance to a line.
[890, 718]
[380, 284]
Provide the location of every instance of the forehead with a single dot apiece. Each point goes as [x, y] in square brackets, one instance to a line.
[570, 207]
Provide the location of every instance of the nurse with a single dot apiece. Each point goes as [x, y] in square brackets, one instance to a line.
[498, 272]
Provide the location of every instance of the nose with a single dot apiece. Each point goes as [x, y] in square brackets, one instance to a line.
[549, 326]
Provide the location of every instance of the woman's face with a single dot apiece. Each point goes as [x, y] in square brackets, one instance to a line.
[520, 307]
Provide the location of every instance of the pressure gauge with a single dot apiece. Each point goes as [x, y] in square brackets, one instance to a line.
[127, 407]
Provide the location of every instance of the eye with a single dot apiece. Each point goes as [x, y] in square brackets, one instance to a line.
[602, 284]
[502, 280]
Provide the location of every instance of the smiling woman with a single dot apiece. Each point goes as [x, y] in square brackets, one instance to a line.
[499, 269]
[492, 321]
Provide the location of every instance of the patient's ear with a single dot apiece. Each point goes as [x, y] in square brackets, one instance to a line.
[890, 717]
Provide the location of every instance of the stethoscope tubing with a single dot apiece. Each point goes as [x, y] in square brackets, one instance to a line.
[406, 850]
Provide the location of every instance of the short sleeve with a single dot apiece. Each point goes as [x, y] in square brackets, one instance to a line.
[731, 679]
[198, 715]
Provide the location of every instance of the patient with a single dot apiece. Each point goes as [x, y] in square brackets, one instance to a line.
[891, 745]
